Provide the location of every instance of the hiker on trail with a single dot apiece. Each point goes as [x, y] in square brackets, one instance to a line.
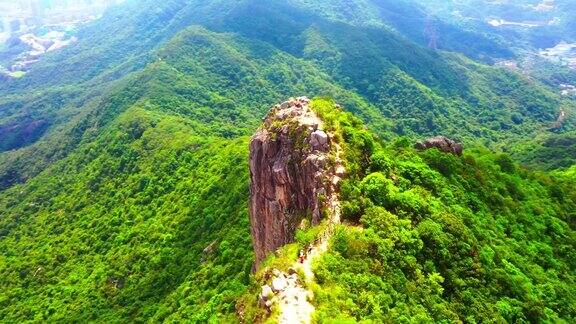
[301, 256]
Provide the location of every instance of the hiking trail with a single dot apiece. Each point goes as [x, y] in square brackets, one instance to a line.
[294, 300]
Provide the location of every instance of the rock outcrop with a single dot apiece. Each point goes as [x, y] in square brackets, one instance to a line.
[442, 143]
[292, 165]
[288, 292]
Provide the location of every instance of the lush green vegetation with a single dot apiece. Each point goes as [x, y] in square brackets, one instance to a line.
[556, 151]
[421, 92]
[435, 237]
[412, 21]
[429, 236]
[127, 199]
[474, 15]
[158, 174]
[117, 230]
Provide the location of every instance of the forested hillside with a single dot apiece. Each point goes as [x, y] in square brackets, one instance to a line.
[534, 23]
[431, 236]
[419, 91]
[124, 177]
[119, 204]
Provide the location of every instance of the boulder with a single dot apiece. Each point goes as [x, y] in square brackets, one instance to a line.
[442, 143]
[319, 140]
[267, 292]
[340, 171]
[279, 284]
[336, 180]
[292, 280]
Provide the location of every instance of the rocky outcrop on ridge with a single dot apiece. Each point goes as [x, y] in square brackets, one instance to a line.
[442, 143]
[293, 172]
[287, 292]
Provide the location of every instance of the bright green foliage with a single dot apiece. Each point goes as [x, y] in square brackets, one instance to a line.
[388, 81]
[556, 151]
[445, 238]
[139, 166]
[118, 230]
[149, 177]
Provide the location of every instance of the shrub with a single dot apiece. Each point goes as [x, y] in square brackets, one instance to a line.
[379, 189]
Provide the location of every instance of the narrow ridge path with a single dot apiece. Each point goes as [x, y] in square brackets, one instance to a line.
[295, 306]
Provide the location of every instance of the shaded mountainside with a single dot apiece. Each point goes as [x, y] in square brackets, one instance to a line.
[548, 153]
[220, 81]
[535, 24]
[126, 200]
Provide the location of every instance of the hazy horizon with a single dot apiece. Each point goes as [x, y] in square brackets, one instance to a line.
[16, 8]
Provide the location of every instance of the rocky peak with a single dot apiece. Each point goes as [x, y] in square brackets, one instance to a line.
[292, 166]
[442, 143]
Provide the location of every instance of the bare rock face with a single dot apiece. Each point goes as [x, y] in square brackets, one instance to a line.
[290, 175]
[442, 143]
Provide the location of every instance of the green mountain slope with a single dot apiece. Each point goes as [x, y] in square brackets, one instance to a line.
[552, 20]
[435, 237]
[123, 181]
[548, 153]
[121, 233]
[414, 22]
[430, 236]
[420, 92]
[120, 209]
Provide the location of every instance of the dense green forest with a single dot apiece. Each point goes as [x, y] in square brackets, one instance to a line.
[431, 237]
[124, 176]
[404, 87]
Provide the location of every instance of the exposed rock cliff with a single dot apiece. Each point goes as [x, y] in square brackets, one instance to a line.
[294, 169]
[442, 143]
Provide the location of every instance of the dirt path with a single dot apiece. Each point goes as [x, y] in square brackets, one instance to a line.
[295, 306]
